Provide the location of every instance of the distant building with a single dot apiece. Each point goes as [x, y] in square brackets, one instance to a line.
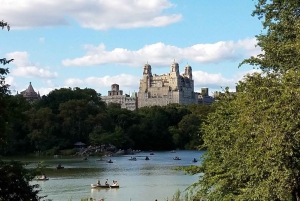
[30, 94]
[167, 88]
[204, 98]
[115, 95]
[219, 94]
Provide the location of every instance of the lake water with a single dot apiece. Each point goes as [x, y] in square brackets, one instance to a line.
[139, 180]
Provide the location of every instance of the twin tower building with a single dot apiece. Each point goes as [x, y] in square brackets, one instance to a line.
[167, 88]
[157, 89]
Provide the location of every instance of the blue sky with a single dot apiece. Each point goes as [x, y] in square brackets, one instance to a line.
[96, 43]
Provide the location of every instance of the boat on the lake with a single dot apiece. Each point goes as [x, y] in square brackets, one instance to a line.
[151, 153]
[41, 178]
[103, 186]
[147, 158]
[176, 158]
[59, 167]
[195, 160]
[110, 161]
[132, 159]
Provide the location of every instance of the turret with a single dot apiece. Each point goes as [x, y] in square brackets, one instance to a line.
[175, 68]
[147, 69]
[188, 71]
[147, 78]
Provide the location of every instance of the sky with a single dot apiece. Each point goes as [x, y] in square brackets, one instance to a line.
[97, 43]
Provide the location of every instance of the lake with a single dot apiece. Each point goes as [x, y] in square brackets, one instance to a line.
[139, 180]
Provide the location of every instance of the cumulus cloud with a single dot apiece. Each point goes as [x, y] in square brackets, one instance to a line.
[160, 54]
[125, 80]
[27, 69]
[46, 90]
[96, 14]
[216, 81]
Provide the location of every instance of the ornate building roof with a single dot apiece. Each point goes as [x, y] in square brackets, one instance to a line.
[30, 94]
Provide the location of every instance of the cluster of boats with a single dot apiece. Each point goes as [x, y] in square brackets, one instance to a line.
[115, 184]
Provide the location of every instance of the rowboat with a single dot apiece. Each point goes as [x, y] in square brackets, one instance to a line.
[103, 186]
[176, 158]
[42, 179]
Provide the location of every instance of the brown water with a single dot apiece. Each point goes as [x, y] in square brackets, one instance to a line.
[139, 180]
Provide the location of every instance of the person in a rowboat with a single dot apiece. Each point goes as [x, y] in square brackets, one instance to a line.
[106, 182]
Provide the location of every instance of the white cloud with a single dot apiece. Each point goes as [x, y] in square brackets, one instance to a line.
[12, 84]
[160, 54]
[45, 91]
[9, 80]
[27, 69]
[124, 80]
[205, 79]
[96, 14]
[216, 81]
[74, 82]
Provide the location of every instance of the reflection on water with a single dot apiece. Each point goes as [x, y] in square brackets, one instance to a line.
[139, 180]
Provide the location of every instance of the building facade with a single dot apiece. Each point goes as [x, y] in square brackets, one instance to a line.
[115, 95]
[167, 88]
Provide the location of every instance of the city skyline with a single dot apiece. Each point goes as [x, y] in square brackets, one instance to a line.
[98, 43]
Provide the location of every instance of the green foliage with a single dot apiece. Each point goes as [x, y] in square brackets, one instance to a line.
[58, 96]
[253, 138]
[15, 140]
[66, 116]
[281, 42]
[253, 142]
[14, 182]
[4, 91]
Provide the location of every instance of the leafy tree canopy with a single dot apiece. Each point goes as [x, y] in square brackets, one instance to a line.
[281, 42]
[253, 138]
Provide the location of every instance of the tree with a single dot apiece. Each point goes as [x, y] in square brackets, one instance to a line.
[14, 182]
[281, 42]
[253, 138]
[4, 24]
[3, 89]
[16, 129]
[14, 177]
